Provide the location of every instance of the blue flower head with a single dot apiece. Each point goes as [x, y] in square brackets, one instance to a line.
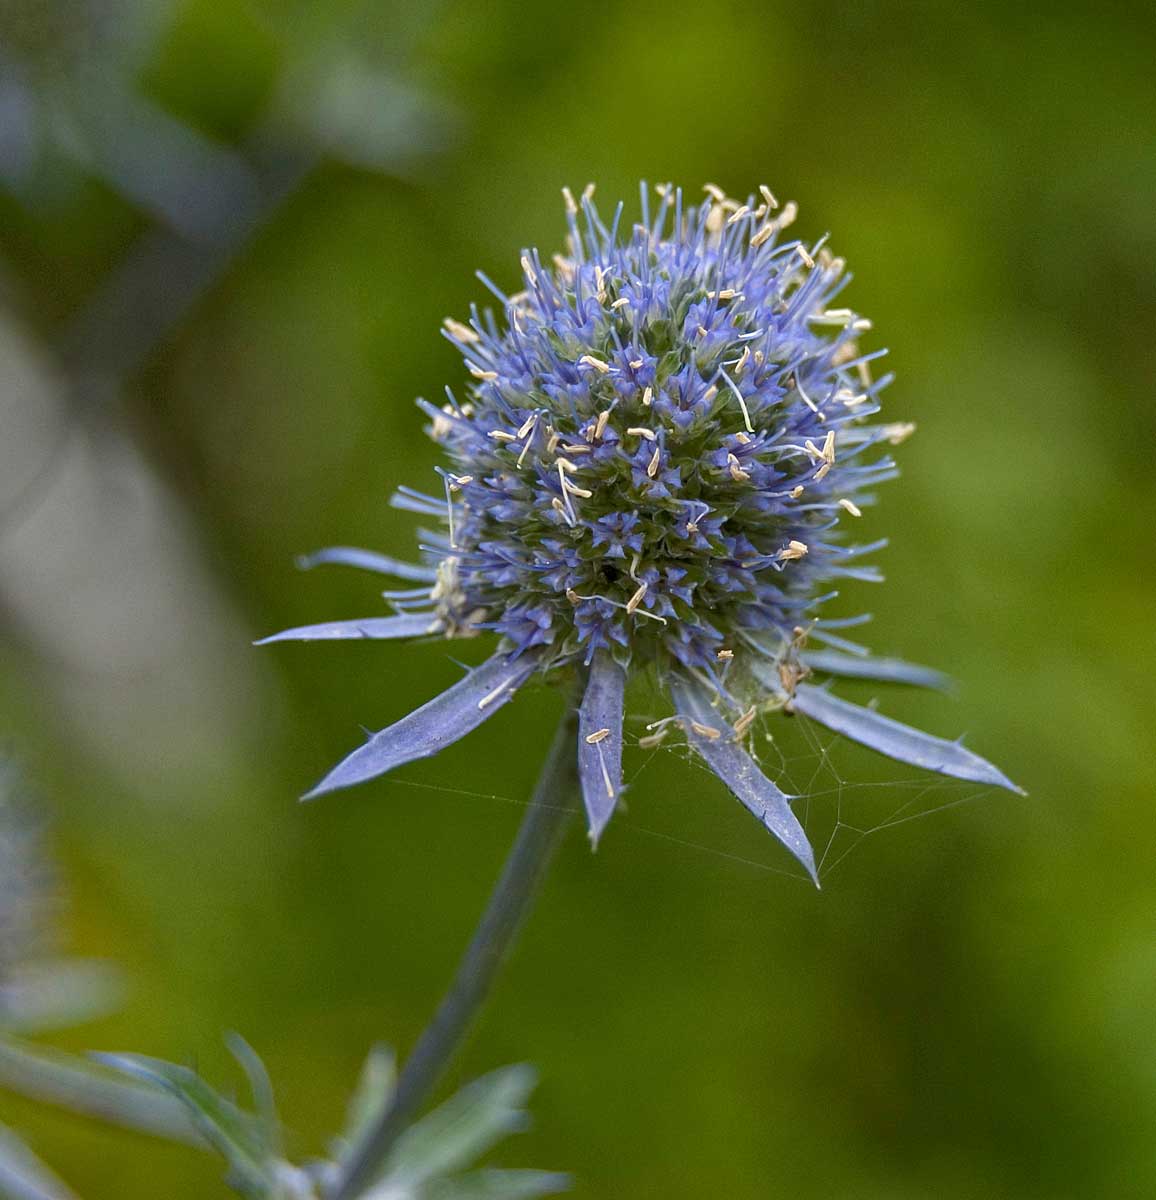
[667, 435]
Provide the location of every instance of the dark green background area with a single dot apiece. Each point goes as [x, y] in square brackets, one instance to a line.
[968, 1008]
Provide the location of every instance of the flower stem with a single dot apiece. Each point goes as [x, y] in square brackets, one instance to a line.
[546, 817]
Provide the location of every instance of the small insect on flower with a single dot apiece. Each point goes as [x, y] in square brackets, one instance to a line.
[659, 456]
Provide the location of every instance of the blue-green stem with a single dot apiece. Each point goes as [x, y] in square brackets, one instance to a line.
[546, 817]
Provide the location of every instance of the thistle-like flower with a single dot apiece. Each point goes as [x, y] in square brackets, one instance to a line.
[665, 438]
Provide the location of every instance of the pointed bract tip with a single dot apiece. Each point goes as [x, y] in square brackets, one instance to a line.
[318, 789]
[1001, 780]
[996, 777]
[330, 783]
[594, 833]
[989, 773]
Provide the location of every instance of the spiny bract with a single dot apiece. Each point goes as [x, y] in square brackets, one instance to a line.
[655, 464]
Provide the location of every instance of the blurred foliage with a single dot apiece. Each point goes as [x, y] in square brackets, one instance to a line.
[23, 1176]
[966, 1008]
[428, 1162]
[39, 990]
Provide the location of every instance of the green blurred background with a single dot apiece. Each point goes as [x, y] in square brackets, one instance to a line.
[969, 1007]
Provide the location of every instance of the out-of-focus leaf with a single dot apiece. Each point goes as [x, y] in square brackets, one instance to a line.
[84, 1087]
[23, 1176]
[361, 112]
[236, 1135]
[203, 188]
[460, 1130]
[36, 997]
[19, 120]
[54, 130]
[262, 1088]
[374, 1088]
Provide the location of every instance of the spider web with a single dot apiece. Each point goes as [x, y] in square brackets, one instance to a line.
[838, 811]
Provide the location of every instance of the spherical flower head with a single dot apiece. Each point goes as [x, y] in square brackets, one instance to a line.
[667, 434]
[662, 442]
